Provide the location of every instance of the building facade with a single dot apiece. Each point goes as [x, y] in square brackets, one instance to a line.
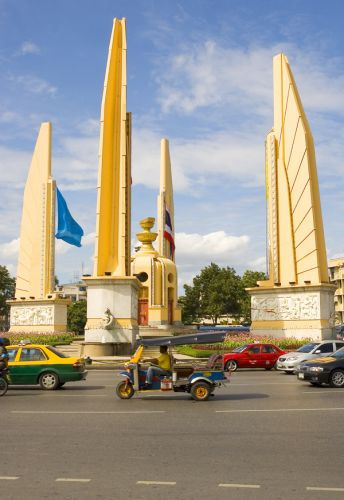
[336, 269]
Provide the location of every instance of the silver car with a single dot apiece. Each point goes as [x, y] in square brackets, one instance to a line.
[290, 362]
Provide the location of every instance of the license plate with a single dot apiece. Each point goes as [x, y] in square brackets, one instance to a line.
[301, 375]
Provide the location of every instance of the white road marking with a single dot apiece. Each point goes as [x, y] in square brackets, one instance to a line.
[29, 412]
[73, 395]
[315, 488]
[163, 483]
[238, 485]
[265, 383]
[322, 391]
[71, 480]
[279, 410]
[8, 478]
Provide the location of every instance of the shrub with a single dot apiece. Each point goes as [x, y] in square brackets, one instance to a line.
[231, 342]
[37, 338]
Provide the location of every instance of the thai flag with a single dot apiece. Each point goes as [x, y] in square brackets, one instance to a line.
[168, 231]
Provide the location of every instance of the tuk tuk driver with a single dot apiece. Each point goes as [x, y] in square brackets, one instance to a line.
[161, 366]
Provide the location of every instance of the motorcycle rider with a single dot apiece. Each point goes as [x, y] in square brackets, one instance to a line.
[4, 341]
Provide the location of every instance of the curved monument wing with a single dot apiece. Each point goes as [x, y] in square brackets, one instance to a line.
[112, 248]
[166, 231]
[35, 273]
[296, 227]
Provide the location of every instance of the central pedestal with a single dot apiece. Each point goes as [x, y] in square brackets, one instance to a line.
[300, 312]
[111, 314]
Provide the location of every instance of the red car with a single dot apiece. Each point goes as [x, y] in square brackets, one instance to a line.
[252, 356]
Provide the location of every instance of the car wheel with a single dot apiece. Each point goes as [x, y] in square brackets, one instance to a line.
[269, 367]
[125, 390]
[49, 381]
[231, 366]
[337, 378]
[3, 386]
[200, 391]
[288, 372]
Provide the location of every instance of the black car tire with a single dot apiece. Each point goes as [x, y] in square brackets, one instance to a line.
[49, 381]
[231, 366]
[200, 391]
[316, 384]
[3, 386]
[337, 378]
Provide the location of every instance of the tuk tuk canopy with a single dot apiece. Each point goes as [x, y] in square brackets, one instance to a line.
[195, 338]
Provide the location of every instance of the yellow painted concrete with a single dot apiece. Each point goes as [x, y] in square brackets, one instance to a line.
[297, 251]
[161, 284]
[165, 199]
[35, 273]
[291, 324]
[112, 248]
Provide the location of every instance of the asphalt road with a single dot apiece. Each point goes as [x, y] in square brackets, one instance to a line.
[264, 436]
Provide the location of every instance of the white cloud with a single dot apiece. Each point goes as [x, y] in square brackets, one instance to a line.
[89, 127]
[34, 84]
[10, 250]
[210, 75]
[9, 117]
[218, 246]
[76, 163]
[29, 48]
[14, 167]
[195, 251]
[88, 239]
[200, 162]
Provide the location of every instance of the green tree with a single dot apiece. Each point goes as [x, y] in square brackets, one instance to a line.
[7, 291]
[190, 305]
[215, 291]
[77, 316]
[249, 280]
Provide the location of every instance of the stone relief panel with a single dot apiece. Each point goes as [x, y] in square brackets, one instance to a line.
[42, 315]
[292, 307]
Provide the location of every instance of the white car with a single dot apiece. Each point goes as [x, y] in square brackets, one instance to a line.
[290, 362]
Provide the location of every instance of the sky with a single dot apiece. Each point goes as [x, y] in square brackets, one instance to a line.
[200, 74]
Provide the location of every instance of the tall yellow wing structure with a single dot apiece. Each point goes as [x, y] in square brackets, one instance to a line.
[35, 274]
[297, 254]
[112, 247]
[166, 244]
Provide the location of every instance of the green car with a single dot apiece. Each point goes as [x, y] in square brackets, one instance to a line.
[44, 365]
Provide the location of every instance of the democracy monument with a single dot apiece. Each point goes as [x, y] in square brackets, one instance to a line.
[297, 299]
[136, 295]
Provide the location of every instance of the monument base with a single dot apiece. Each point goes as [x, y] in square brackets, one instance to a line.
[297, 311]
[112, 308]
[39, 316]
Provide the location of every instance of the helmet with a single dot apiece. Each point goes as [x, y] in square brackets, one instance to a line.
[4, 341]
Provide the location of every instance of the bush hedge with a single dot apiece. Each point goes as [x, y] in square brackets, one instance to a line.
[36, 338]
[231, 342]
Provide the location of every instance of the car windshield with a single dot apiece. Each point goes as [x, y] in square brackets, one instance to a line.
[307, 347]
[55, 351]
[339, 353]
[240, 348]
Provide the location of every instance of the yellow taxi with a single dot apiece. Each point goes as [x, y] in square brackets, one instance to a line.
[44, 365]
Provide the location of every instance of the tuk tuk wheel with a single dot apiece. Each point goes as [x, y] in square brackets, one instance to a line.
[200, 391]
[124, 390]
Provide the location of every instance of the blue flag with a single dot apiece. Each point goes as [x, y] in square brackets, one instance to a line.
[67, 228]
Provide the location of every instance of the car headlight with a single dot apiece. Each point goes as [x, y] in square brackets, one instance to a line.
[316, 369]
